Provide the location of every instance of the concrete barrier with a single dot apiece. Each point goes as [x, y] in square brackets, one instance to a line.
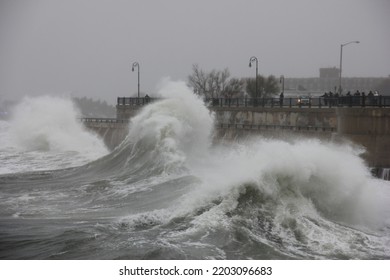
[112, 131]
[365, 126]
[369, 127]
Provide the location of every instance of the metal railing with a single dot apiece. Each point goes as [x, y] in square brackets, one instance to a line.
[103, 120]
[289, 102]
[302, 128]
[297, 102]
[135, 101]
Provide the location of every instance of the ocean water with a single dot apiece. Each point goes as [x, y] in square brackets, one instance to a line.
[170, 192]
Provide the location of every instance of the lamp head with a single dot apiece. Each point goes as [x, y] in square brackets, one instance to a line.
[135, 64]
[250, 64]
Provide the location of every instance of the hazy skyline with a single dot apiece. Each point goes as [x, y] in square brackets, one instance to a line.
[86, 48]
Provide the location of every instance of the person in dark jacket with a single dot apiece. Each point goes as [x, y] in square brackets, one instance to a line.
[281, 96]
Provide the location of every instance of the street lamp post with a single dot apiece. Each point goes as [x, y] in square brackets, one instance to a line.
[253, 59]
[282, 81]
[341, 61]
[281, 96]
[136, 64]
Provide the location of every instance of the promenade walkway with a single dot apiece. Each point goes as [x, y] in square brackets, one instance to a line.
[296, 102]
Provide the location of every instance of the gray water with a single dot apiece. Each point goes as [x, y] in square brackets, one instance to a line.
[167, 193]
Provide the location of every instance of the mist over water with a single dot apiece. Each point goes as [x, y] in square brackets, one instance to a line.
[167, 192]
[177, 129]
[44, 132]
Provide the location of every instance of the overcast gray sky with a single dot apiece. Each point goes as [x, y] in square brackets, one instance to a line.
[86, 47]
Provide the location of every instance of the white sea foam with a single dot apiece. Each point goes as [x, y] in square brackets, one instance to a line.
[172, 191]
[332, 178]
[175, 129]
[317, 196]
[44, 133]
[50, 123]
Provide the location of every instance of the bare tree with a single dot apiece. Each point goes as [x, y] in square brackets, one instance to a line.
[234, 88]
[214, 84]
[198, 80]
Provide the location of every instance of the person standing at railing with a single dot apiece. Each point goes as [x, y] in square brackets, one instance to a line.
[147, 99]
[281, 97]
[356, 98]
[346, 100]
[370, 98]
[331, 99]
[325, 97]
[376, 97]
[336, 97]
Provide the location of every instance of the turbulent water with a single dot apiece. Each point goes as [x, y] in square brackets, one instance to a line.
[167, 192]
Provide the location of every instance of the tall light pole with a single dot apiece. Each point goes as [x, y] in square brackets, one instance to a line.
[253, 59]
[282, 81]
[136, 64]
[341, 61]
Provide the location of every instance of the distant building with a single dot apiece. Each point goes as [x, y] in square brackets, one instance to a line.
[329, 81]
[329, 73]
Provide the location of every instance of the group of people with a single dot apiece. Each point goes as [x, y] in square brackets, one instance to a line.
[352, 99]
[336, 99]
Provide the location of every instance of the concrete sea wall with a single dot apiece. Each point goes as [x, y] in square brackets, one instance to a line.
[368, 127]
[112, 131]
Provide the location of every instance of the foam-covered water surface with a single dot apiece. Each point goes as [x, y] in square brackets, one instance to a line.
[44, 133]
[167, 192]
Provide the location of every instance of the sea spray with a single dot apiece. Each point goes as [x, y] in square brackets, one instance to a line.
[303, 198]
[174, 131]
[44, 133]
[167, 193]
[50, 123]
[307, 198]
[331, 177]
[305, 190]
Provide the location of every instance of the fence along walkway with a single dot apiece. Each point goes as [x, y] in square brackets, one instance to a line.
[103, 120]
[307, 128]
[296, 102]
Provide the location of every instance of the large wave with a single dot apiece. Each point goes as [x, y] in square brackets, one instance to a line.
[170, 191]
[305, 194]
[175, 134]
[44, 133]
[50, 123]
[165, 136]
